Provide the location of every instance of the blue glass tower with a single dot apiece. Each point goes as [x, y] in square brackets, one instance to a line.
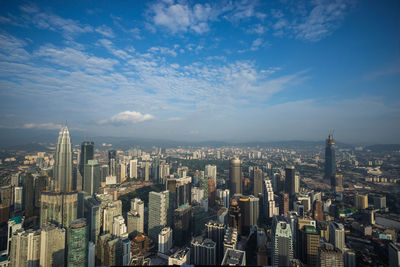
[330, 160]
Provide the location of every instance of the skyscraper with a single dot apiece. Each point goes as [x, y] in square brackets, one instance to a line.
[63, 162]
[78, 240]
[52, 246]
[133, 169]
[336, 235]
[28, 195]
[112, 163]
[258, 182]
[309, 244]
[25, 248]
[249, 207]
[182, 224]
[283, 202]
[58, 208]
[269, 200]
[165, 240]
[216, 232]
[91, 178]
[211, 172]
[235, 176]
[291, 181]
[160, 213]
[337, 182]
[235, 216]
[211, 192]
[87, 153]
[282, 242]
[203, 251]
[328, 256]
[330, 160]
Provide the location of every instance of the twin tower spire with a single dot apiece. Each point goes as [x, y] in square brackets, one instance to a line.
[63, 162]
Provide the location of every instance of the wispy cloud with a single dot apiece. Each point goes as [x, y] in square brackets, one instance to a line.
[105, 31]
[127, 117]
[48, 126]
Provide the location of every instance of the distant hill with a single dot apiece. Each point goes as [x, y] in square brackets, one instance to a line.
[384, 148]
[32, 147]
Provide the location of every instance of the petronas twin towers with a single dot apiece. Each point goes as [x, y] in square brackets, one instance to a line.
[59, 206]
[63, 162]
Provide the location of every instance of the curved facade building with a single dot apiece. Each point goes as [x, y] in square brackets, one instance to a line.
[63, 162]
[78, 239]
[235, 176]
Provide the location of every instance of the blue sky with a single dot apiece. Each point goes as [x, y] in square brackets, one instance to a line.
[217, 70]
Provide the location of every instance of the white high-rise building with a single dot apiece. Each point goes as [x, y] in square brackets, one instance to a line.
[225, 198]
[13, 225]
[133, 169]
[119, 226]
[52, 246]
[165, 240]
[197, 194]
[282, 242]
[25, 248]
[336, 235]
[136, 216]
[269, 200]
[18, 198]
[211, 172]
[160, 212]
[91, 254]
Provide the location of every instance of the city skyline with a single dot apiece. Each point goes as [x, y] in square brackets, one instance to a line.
[194, 71]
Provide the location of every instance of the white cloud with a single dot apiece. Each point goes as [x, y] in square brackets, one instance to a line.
[48, 126]
[127, 117]
[163, 50]
[105, 30]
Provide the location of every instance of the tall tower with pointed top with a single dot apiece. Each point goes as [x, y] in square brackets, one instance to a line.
[330, 160]
[63, 162]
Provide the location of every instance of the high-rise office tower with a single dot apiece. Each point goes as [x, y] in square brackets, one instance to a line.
[109, 213]
[292, 184]
[309, 244]
[330, 160]
[317, 210]
[58, 208]
[361, 201]
[249, 207]
[28, 195]
[137, 211]
[235, 216]
[234, 258]
[165, 240]
[269, 200]
[119, 226]
[211, 192]
[328, 256]
[235, 176]
[203, 251]
[211, 172]
[336, 235]
[63, 162]
[394, 254]
[258, 182]
[40, 186]
[180, 257]
[180, 190]
[216, 232]
[147, 171]
[87, 153]
[282, 242]
[92, 215]
[78, 240]
[25, 248]
[283, 202]
[52, 246]
[18, 198]
[133, 169]
[91, 178]
[160, 213]
[230, 238]
[337, 182]
[14, 224]
[112, 163]
[182, 224]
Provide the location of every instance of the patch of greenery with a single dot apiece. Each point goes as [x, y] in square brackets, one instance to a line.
[142, 193]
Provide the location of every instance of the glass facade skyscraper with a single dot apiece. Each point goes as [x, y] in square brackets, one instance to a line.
[78, 239]
[330, 160]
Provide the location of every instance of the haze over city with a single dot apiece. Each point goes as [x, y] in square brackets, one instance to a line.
[212, 70]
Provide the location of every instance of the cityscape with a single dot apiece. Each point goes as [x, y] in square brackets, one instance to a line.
[200, 133]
